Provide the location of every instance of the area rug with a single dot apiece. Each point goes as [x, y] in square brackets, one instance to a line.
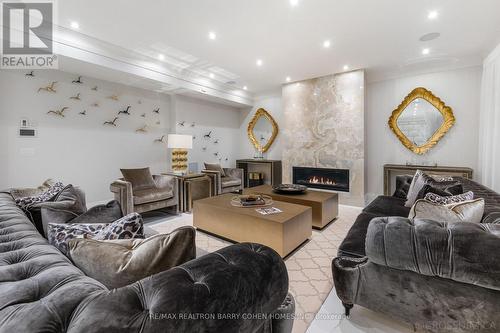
[309, 267]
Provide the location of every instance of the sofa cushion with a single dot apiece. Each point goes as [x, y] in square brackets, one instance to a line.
[152, 195]
[18, 193]
[139, 178]
[403, 183]
[128, 227]
[117, 263]
[466, 211]
[420, 180]
[446, 200]
[353, 244]
[215, 167]
[107, 213]
[387, 206]
[60, 234]
[230, 182]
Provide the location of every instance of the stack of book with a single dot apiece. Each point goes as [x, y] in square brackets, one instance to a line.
[252, 200]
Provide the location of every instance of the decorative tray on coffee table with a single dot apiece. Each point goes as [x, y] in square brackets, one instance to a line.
[251, 201]
[290, 189]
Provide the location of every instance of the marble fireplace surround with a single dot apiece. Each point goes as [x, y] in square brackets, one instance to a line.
[324, 127]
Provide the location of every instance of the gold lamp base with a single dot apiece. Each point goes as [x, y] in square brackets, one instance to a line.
[179, 160]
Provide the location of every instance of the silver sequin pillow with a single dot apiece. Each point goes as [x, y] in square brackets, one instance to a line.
[440, 200]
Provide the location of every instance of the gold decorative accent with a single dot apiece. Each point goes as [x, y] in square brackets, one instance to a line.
[179, 159]
[446, 112]
[262, 113]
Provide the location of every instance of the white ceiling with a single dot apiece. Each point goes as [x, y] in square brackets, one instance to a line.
[379, 35]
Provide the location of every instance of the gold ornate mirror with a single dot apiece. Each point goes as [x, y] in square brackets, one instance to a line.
[262, 130]
[421, 120]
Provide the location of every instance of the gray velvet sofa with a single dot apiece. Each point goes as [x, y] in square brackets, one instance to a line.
[436, 276]
[42, 291]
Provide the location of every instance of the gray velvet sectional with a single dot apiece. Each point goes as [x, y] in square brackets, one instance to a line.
[436, 276]
[42, 291]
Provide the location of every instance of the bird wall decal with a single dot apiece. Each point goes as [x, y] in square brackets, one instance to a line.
[95, 88]
[216, 154]
[204, 149]
[208, 135]
[216, 141]
[76, 97]
[49, 88]
[77, 81]
[30, 74]
[160, 140]
[193, 124]
[157, 111]
[227, 159]
[143, 129]
[114, 97]
[95, 105]
[111, 123]
[83, 113]
[143, 115]
[59, 113]
[126, 111]
[182, 123]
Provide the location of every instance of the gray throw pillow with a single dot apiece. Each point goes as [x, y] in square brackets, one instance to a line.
[107, 213]
[215, 167]
[141, 179]
[117, 263]
[467, 211]
[419, 181]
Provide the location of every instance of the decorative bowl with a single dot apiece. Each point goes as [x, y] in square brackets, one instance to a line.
[251, 201]
[290, 189]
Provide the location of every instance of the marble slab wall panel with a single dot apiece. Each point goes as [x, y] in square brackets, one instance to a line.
[324, 127]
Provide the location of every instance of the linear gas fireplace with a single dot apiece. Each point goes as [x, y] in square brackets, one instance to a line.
[322, 178]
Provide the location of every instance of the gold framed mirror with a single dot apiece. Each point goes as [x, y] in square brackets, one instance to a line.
[421, 120]
[262, 130]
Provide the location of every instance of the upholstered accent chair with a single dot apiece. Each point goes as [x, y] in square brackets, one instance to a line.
[139, 195]
[224, 180]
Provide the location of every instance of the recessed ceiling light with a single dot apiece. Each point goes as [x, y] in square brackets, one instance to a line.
[433, 15]
[426, 51]
[288, 79]
[245, 87]
[294, 3]
[259, 62]
[161, 57]
[75, 25]
[212, 75]
[212, 35]
[326, 44]
[346, 67]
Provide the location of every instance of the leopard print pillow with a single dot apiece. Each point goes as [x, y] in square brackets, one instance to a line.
[60, 234]
[130, 226]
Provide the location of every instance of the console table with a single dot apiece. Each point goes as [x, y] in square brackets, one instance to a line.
[270, 168]
[393, 170]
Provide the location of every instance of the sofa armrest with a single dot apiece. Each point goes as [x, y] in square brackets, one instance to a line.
[461, 252]
[124, 195]
[168, 182]
[242, 282]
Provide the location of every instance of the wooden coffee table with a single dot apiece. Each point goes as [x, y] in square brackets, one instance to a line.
[325, 205]
[283, 232]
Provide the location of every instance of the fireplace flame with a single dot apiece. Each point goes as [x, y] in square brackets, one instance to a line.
[321, 180]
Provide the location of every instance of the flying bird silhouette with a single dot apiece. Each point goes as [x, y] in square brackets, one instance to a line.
[193, 124]
[204, 148]
[143, 129]
[126, 111]
[208, 135]
[160, 140]
[113, 97]
[59, 113]
[76, 97]
[216, 154]
[111, 123]
[157, 111]
[216, 141]
[143, 115]
[49, 88]
[77, 81]
[182, 123]
[95, 88]
[30, 74]
[83, 113]
[95, 105]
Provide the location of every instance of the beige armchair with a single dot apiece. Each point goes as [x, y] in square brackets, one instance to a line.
[164, 194]
[232, 181]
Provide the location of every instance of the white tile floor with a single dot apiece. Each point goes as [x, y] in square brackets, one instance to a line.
[309, 269]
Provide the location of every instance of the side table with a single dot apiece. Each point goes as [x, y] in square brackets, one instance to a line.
[192, 186]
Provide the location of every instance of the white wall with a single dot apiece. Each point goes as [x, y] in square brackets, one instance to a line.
[77, 149]
[460, 89]
[271, 103]
[222, 120]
